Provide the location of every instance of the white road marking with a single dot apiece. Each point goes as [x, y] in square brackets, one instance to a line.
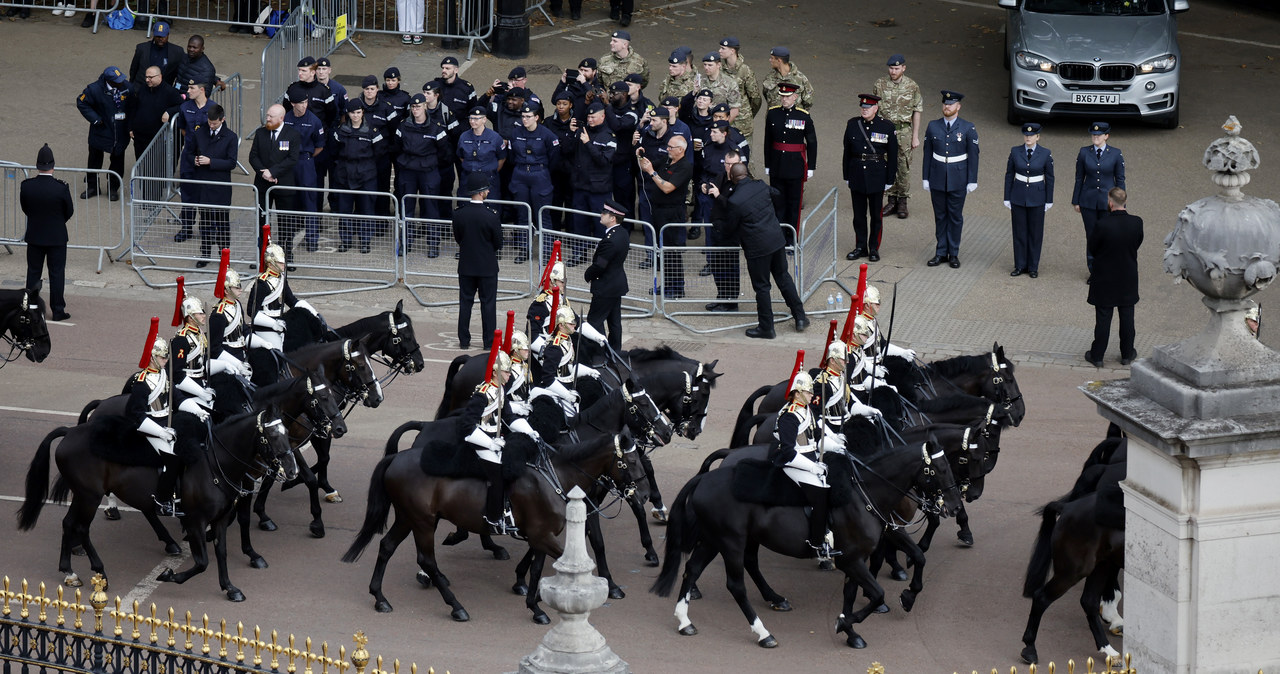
[1230, 39]
[19, 499]
[62, 323]
[148, 584]
[56, 413]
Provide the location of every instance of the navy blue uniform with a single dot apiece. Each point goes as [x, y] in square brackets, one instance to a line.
[561, 177]
[398, 100]
[190, 116]
[106, 109]
[608, 279]
[481, 154]
[870, 164]
[356, 169]
[592, 175]
[1028, 186]
[1096, 173]
[443, 116]
[532, 155]
[324, 160]
[422, 148]
[306, 173]
[950, 165]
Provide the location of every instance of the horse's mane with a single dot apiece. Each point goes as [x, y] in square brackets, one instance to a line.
[272, 390]
[588, 415]
[952, 402]
[310, 349]
[663, 352]
[580, 450]
[363, 326]
[960, 365]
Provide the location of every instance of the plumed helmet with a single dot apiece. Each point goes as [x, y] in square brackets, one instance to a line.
[557, 272]
[275, 254]
[191, 305]
[502, 363]
[160, 349]
[565, 315]
[233, 279]
[862, 327]
[872, 296]
[519, 341]
[837, 350]
[802, 382]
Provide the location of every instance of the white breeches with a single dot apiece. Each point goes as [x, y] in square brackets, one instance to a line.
[489, 455]
[804, 470]
[161, 445]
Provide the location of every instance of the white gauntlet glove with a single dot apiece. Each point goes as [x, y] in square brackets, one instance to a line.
[926, 185]
[589, 331]
[522, 426]
[482, 440]
[1008, 205]
[900, 352]
[970, 187]
[586, 371]
[306, 306]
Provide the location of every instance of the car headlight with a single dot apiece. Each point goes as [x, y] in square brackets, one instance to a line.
[1162, 64]
[1030, 61]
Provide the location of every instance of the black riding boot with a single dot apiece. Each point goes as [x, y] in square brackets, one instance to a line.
[493, 497]
[818, 500]
[167, 503]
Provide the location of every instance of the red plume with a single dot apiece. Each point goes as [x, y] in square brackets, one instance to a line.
[511, 325]
[218, 290]
[546, 272]
[177, 303]
[493, 355]
[831, 335]
[855, 305]
[796, 370]
[555, 308]
[262, 252]
[151, 341]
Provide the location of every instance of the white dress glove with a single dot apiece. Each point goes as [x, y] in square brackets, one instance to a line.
[587, 371]
[589, 331]
[1047, 207]
[1008, 205]
[971, 187]
[888, 187]
[766, 171]
[303, 304]
[482, 440]
[892, 350]
[926, 185]
[521, 407]
[522, 426]
[810, 173]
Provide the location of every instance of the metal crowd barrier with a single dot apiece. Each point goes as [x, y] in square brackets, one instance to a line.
[81, 7]
[515, 281]
[301, 35]
[642, 279]
[530, 6]
[98, 223]
[816, 260]
[155, 222]
[470, 20]
[331, 271]
[729, 264]
[159, 162]
[207, 11]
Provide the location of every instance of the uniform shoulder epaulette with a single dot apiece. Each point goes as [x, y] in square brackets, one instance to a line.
[187, 330]
[542, 296]
[802, 110]
[223, 304]
[775, 107]
[792, 407]
[141, 376]
[264, 275]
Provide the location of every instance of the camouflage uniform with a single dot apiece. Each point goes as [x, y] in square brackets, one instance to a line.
[898, 101]
[752, 100]
[725, 89]
[770, 86]
[678, 86]
[613, 69]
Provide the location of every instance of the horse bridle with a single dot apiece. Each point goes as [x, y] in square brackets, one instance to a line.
[998, 381]
[931, 502]
[353, 394]
[649, 431]
[627, 468]
[271, 466]
[403, 363]
[21, 322]
[321, 423]
[693, 384]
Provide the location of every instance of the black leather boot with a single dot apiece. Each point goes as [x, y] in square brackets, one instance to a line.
[818, 500]
[493, 497]
[167, 503]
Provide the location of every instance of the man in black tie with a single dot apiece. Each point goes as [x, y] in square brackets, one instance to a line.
[46, 201]
[212, 148]
[478, 232]
[273, 153]
[607, 276]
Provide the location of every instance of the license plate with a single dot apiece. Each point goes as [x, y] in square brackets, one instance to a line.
[1096, 99]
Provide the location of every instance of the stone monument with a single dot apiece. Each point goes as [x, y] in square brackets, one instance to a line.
[1202, 496]
[573, 646]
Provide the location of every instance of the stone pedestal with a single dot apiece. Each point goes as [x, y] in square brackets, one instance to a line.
[573, 646]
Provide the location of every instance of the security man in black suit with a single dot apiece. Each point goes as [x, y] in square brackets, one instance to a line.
[607, 276]
[212, 148]
[870, 167]
[273, 153]
[1114, 246]
[46, 201]
[478, 232]
[158, 51]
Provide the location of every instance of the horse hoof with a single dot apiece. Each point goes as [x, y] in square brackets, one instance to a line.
[1030, 656]
[460, 615]
[688, 631]
[826, 565]
[267, 525]
[781, 606]
[768, 642]
[659, 515]
[501, 554]
[258, 562]
[382, 606]
[541, 618]
[456, 537]
[333, 497]
[72, 581]
[651, 559]
[78, 551]
[235, 595]
[112, 514]
[520, 589]
[908, 600]
[165, 576]
[898, 574]
[423, 579]
[616, 592]
[172, 549]
[856, 641]
[966, 538]
[1117, 628]
[317, 529]
[883, 608]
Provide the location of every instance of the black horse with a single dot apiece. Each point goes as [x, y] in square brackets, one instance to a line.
[422, 500]
[710, 517]
[22, 325]
[105, 455]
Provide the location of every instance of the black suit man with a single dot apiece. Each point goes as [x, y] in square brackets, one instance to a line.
[1114, 247]
[46, 201]
[273, 153]
[212, 147]
[478, 232]
[607, 276]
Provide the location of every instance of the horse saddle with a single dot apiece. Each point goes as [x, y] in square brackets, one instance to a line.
[458, 460]
[116, 439]
[759, 481]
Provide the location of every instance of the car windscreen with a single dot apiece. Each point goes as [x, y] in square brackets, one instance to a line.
[1097, 7]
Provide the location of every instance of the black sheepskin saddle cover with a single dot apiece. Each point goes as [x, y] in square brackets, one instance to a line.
[760, 481]
[446, 453]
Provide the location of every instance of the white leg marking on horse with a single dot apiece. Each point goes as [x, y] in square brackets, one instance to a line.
[758, 627]
[682, 612]
[1108, 651]
[1109, 612]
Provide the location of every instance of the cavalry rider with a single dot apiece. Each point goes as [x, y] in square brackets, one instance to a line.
[877, 345]
[834, 400]
[861, 368]
[148, 407]
[796, 452]
[190, 349]
[541, 309]
[269, 300]
[487, 439]
[521, 377]
[227, 334]
[559, 364]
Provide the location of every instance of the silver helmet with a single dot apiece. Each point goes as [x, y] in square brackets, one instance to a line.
[502, 363]
[802, 382]
[837, 350]
[871, 296]
[565, 315]
[160, 348]
[557, 272]
[862, 327]
[274, 254]
[518, 341]
[191, 305]
[233, 279]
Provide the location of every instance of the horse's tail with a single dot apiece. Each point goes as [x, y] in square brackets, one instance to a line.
[744, 416]
[393, 442]
[443, 410]
[714, 457]
[61, 490]
[38, 482]
[682, 527]
[375, 514]
[1042, 551]
[88, 409]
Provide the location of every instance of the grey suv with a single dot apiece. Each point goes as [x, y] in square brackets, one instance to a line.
[1093, 58]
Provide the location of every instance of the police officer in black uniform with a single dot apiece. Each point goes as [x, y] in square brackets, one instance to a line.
[478, 232]
[534, 148]
[790, 154]
[398, 100]
[607, 276]
[46, 201]
[320, 99]
[357, 144]
[870, 166]
[459, 96]
[422, 145]
[440, 114]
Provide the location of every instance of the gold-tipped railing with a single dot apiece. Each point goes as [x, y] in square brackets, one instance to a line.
[1112, 665]
[168, 647]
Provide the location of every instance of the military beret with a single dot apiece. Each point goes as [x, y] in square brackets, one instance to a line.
[596, 106]
[671, 102]
[323, 62]
[562, 95]
[307, 62]
[369, 81]
[296, 93]
[588, 63]
[730, 42]
[780, 52]
[720, 107]
[1030, 129]
[634, 78]
[478, 111]
[711, 57]
[868, 100]
[431, 85]
[517, 72]
[417, 99]
[788, 87]
[720, 124]
[1099, 128]
[619, 86]
[621, 35]
[449, 61]
[949, 96]
[518, 92]
[193, 83]
[684, 52]
[704, 92]
[353, 104]
[161, 29]
[897, 60]
[391, 72]
[675, 58]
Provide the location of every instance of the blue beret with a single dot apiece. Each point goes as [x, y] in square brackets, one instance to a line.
[897, 60]
[730, 42]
